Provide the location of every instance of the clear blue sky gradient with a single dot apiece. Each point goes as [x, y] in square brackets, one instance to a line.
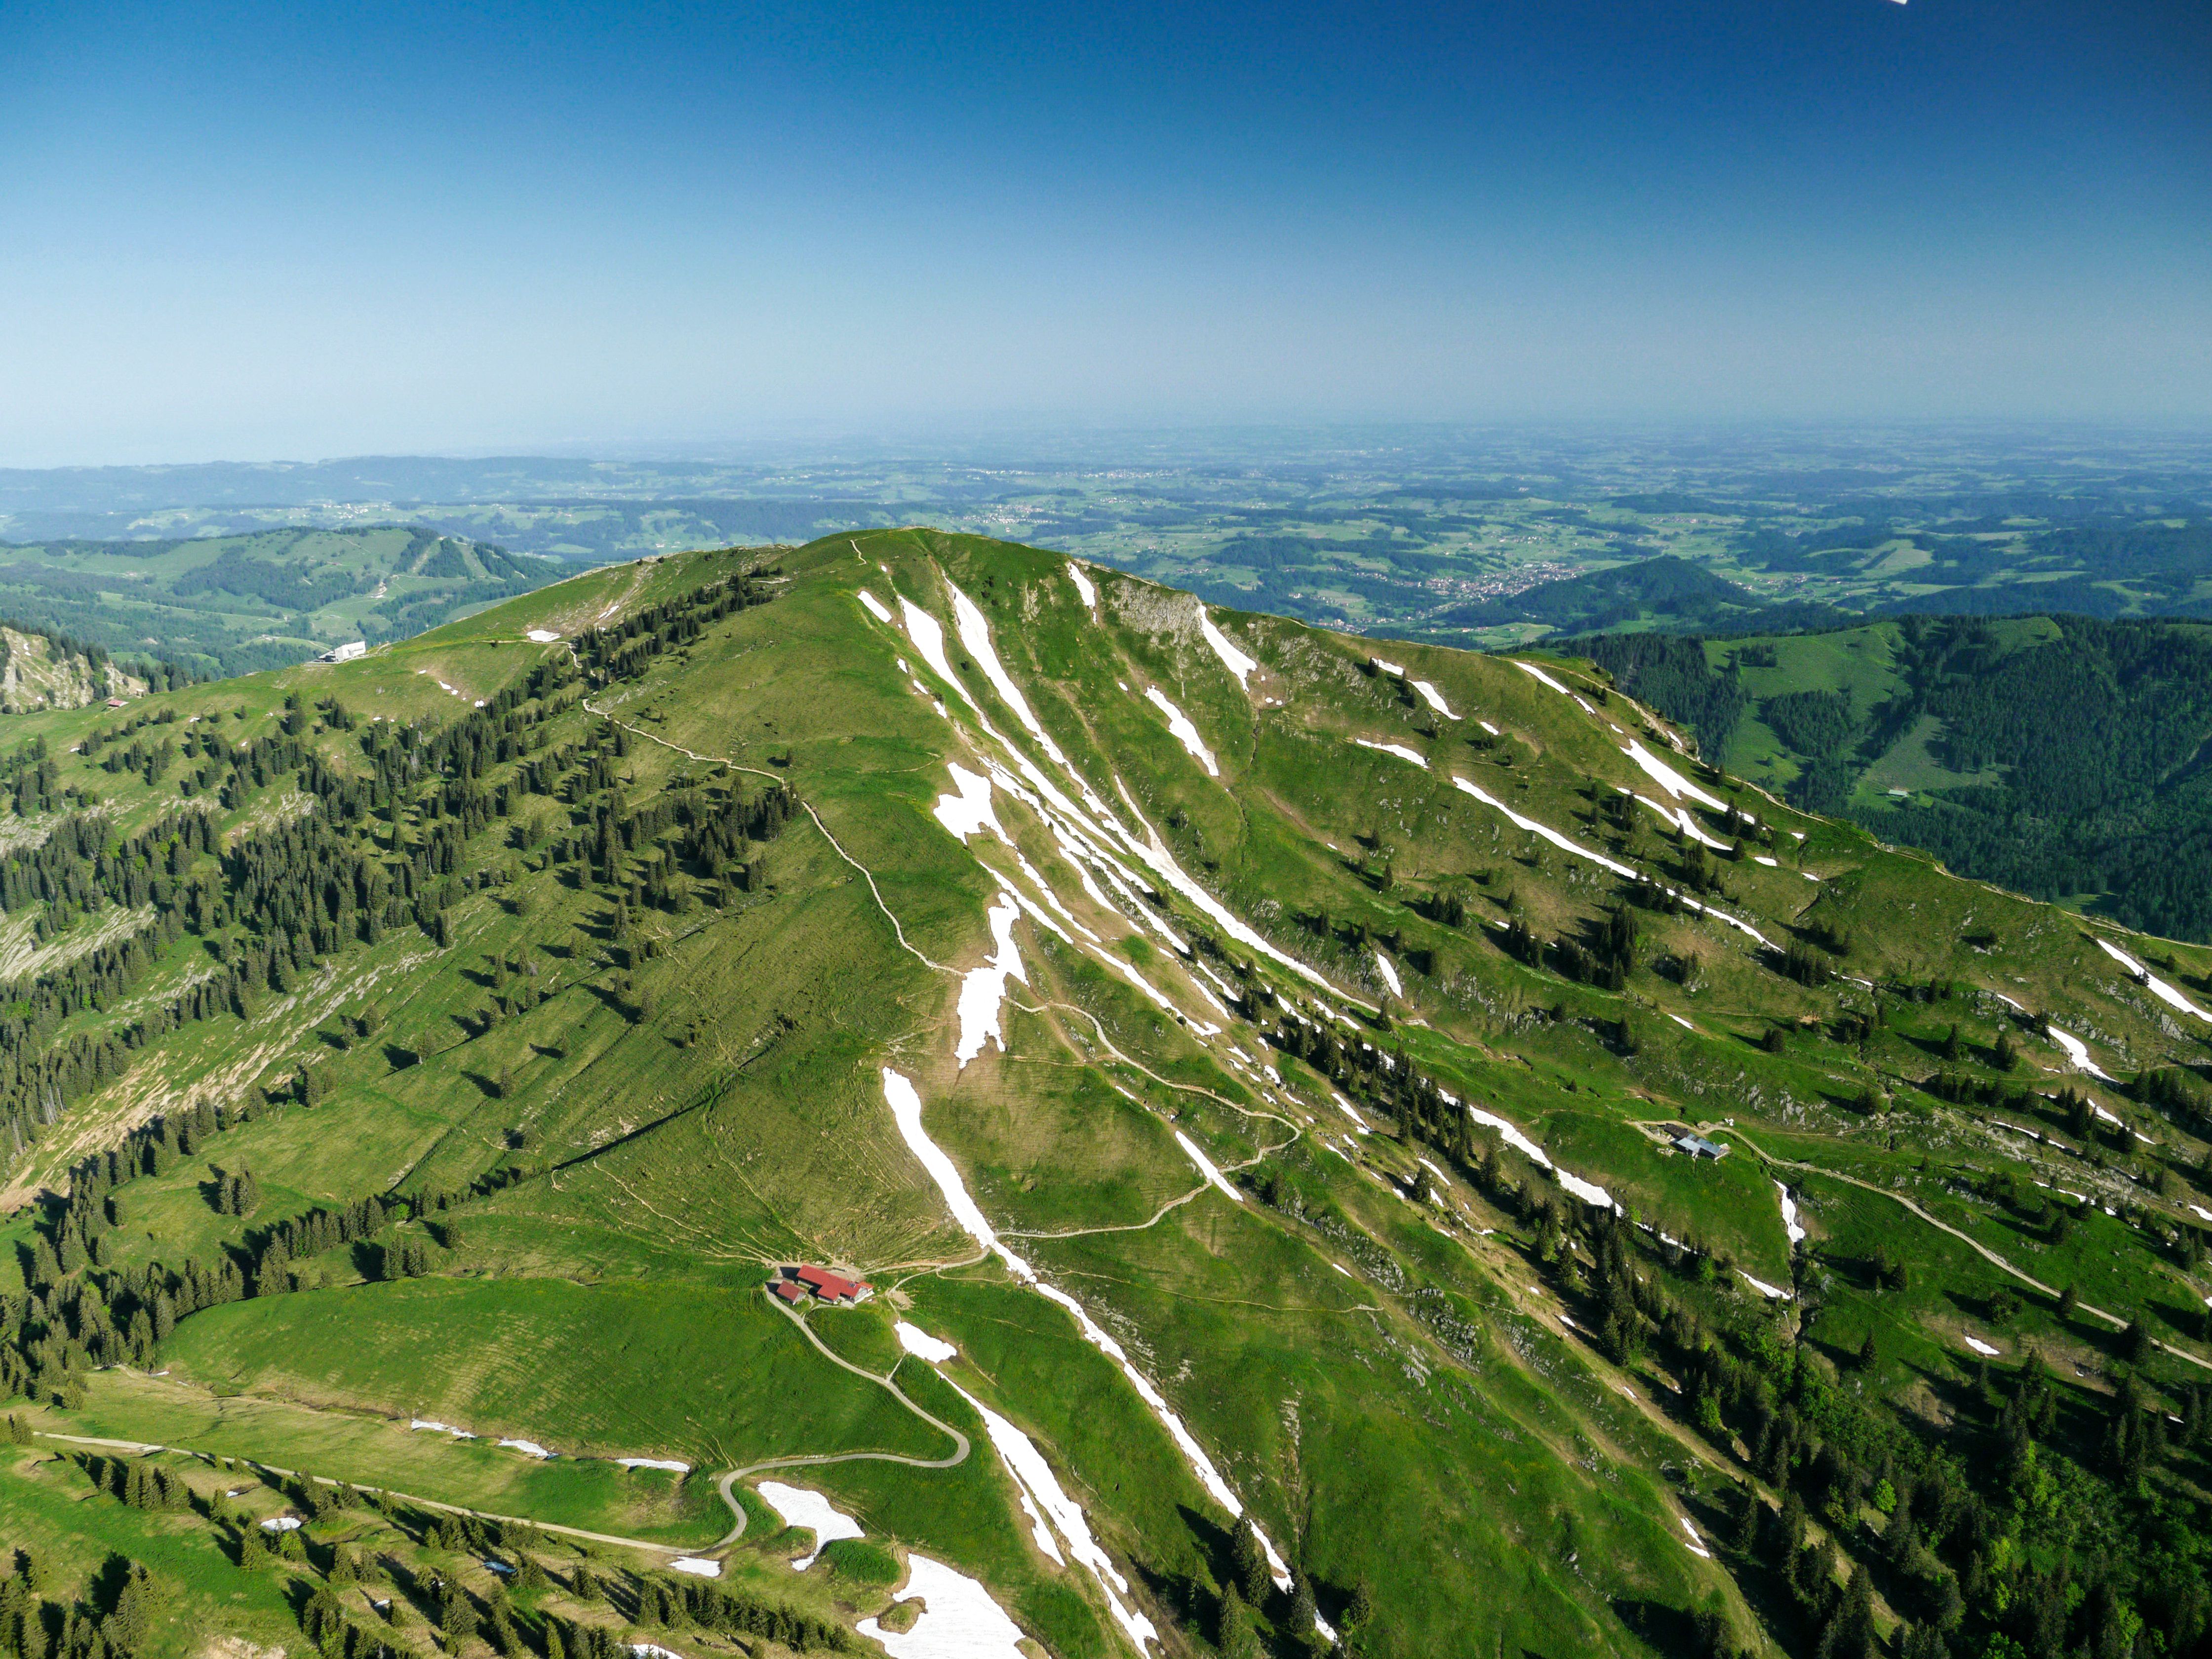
[254, 231]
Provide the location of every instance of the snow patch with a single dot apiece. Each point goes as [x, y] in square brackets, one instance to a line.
[928, 637]
[799, 1507]
[976, 634]
[1669, 780]
[282, 1524]
[906, 1111]
[2077, 1051]
[1981, 1348]
[1083, 586]
[877, 608]
[1389, 975]
[1397, 749]
[922, 1345]
[983, 991]
[1183, 732]
[1771, 1292]
[1536, 828]
[542, 636]
[1589, 1191]
[1789, 1216]
[1037, 1483]
[668, 1463]
[2157, 986]
[1434, 698]
[1696, 1544]
[530, 1449]
[1231, 658]
[969, 811]
[1389, 668]
[697, 1565]
[1206, 1167]
[1542, 677]
[959, 1619]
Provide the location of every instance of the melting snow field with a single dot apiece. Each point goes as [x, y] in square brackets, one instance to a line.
[905, 1112]
[1669, 780]
[282, 1524]
[800, 1508]
[877, 608]
[1771, 1292]
[529, 1448]
[1083, 586]
[1789, 1216]
[1434, 698]
[1040, 1489]
[983, 993]
[1550, 834]
[959, 1619]
[1981, 1348]
[1231, 658]
[1542, 677]
[1184, 732]
[1389, 668]
[542, 636]
[971, 809]
[2077, 1051]
[1397, 749]
[2157, 986]
[922, 1345]
[667, 1463]
[698, 1566]
[1205, 1166]
[1696, 1544]
[1389, 975]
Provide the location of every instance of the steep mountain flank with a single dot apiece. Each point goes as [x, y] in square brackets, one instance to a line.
[1292, 1143]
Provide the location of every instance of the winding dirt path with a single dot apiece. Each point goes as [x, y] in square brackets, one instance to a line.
[1971, 1242]
[724, 1483]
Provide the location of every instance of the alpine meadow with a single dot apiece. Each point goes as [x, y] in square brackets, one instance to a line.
[913, 1094]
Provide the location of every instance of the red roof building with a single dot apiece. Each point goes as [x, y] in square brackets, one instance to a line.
[787, 1291]
[833, 1287]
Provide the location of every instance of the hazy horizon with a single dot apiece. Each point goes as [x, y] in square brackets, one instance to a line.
[518, 231]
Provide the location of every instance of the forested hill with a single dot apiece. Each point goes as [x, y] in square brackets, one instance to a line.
[230, 605]
[2063, 756]
[1265, 1102]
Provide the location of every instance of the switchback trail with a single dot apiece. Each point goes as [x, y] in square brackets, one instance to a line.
[725, 1483]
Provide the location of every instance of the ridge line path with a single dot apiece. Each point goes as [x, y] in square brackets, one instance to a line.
[724, 760]
[1971, 1242]
[961, 1444]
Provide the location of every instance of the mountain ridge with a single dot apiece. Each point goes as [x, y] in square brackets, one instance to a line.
[1252, 1081]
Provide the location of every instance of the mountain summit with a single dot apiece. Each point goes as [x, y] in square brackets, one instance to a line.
[1084, 1122]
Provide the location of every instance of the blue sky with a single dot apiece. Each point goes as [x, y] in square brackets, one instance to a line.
[249, 232]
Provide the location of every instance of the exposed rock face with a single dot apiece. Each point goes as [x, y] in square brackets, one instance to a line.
[35, 673]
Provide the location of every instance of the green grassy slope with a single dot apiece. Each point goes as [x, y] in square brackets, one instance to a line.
[650, 920]
[230, 603]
